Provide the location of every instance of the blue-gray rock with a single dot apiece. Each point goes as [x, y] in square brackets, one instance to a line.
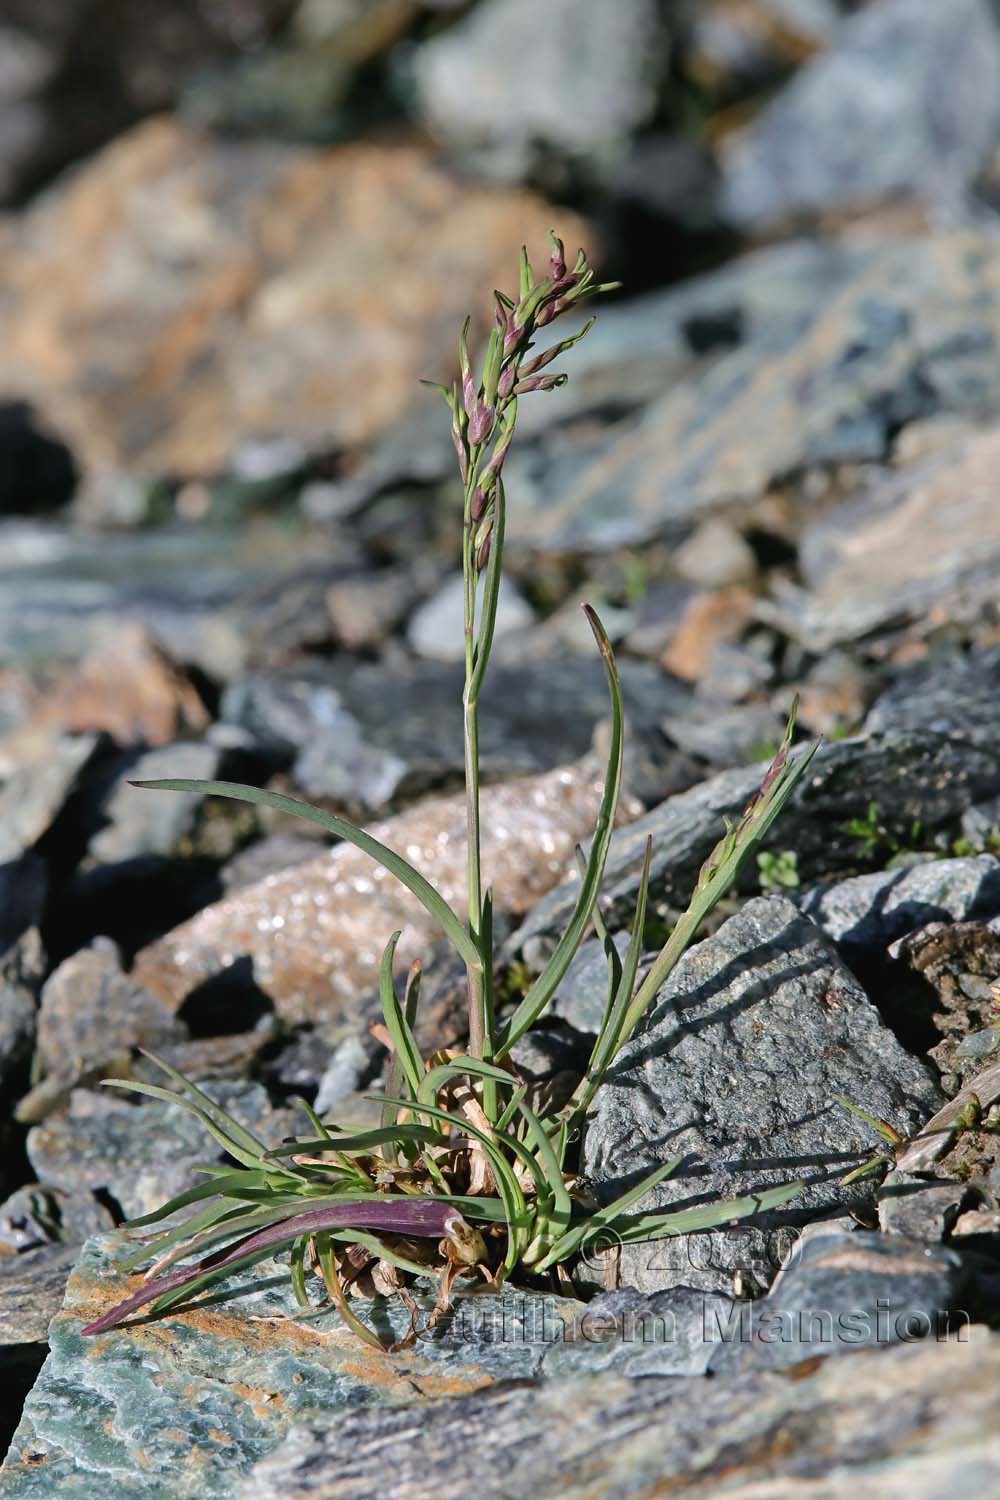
[626, 1333]
[33, 797]
[435, 630]
[867, 913]
[91, 1017]
[890, 76]
[31, 1292]
[908, 330]
[135, 824]
[140, 1154]
[952, 696]
[735, 1070]
[918, 1421]
[838, 1293]
[927, 774]
[369, 731]
[349, 1065]
[205, 594]
[180, 1408]
[505, 78]
[582, 997]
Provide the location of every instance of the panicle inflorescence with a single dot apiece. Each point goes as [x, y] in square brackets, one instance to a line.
[484, 411]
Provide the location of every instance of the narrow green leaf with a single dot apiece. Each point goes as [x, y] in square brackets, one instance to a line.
[365, 1142]
[708, 1216]
[153, 1091]
[569, 1243]
[222, 1117]
[545, 986]
[403, 1039]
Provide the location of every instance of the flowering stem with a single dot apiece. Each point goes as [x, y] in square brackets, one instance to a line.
[484, 413]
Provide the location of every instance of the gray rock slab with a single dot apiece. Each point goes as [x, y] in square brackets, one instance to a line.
[435, 629]
[135, 823]
[918, 1422]
[583, 995]
[626, 1333]
[951, 695]
[921, 542]
[375, 733]
[479, 85]
[32, 1286]
[909, 333]
[735, 1070]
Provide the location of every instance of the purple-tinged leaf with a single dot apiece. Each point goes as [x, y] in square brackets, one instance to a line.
[424, 1218]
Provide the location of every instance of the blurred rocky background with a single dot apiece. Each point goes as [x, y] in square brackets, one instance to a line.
[234, 234]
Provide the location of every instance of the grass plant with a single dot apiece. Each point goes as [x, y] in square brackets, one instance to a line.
[463, 1178]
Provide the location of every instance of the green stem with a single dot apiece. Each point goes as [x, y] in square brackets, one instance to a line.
[470, 703]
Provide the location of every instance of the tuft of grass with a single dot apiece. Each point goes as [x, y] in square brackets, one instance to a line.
[463, 1177]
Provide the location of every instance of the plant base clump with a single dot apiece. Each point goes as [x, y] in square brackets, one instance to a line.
[464, 1177]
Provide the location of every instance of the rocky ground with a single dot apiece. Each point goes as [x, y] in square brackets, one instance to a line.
[227, 549]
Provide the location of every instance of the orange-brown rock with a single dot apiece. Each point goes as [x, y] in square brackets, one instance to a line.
[126, 687]
[711, 617]
[183, 294]
[315, 933]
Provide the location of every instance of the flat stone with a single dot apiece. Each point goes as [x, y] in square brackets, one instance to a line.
[31, 1293]
[313, 936]
[865, 914]
[922, 543]
[32, 798]
[884, 77]
[735, 1069]
[215, 600]
[136, 824]
[838, 1293]
[715, 554]
[258, 328]
[582, 997]
[370, 734]
[623, 1332]
[916, 1421]
[953, 696]
[185, 1405]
